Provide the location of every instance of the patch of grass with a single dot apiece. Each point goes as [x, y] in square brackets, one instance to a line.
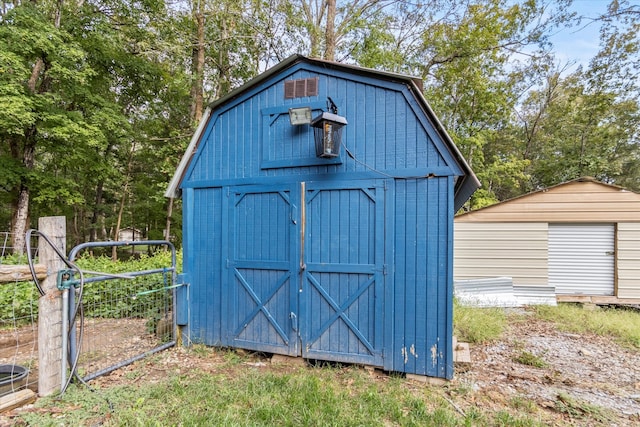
[476, 325]
[233, 357]
[623, 324]
[577, 409]
[505, 419]
[530, 359]
[200, 350]
[331, 396]
[522, 403]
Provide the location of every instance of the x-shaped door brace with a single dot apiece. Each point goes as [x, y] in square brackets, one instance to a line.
[261, 306]
[340, 310]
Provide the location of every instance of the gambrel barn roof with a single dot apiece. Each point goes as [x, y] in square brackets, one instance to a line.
[466, 183]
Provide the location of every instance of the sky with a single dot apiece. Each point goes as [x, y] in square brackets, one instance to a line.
[580, 44]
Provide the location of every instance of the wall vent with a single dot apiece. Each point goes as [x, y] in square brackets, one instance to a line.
[300, 88]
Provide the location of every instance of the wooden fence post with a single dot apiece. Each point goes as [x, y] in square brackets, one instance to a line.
[50, 306]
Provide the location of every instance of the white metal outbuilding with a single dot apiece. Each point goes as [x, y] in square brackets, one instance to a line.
[581, 237]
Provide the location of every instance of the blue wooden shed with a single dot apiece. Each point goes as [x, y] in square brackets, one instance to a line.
[343, 255]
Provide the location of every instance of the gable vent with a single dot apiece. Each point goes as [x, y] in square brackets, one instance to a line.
[300, 88]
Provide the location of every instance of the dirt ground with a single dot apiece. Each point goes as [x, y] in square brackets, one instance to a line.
[579, 373]
[105, 343]
[591, 369]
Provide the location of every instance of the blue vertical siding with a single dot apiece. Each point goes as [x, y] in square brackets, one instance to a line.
[372, 282]
[422, 281]
[203, 257]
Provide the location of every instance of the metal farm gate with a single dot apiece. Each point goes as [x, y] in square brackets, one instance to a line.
[112, 320]
[306, 270]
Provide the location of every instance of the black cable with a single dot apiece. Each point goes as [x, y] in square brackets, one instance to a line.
[78, 305]
[355, 159]
[62, 257]
[30, 262]
[78, 309]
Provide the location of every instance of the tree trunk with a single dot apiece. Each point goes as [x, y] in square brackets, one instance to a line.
[21, 210]
[197, 59]
[125, 190]
[330, 32]
[20, 218]
[114, 250]
[20, 221]
[93, 231]
[313, 25]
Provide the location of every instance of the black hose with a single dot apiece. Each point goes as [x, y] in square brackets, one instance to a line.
[54, 247]
[78, 305]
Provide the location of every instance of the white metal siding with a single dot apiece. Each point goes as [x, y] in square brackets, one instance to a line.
[628, 260]
[581, 258]
[489, 250]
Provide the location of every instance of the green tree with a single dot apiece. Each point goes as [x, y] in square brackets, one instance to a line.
[42, 69]
[78, 82]
[586, 123]
[478, 62]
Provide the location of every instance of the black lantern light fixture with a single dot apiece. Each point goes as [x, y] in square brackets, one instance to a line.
[328, 131]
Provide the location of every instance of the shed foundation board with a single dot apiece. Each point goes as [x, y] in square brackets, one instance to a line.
[427, 380]
[598, 300]
[461, 353]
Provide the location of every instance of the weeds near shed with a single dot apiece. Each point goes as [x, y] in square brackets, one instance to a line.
[503, 418]
[522, 403]
[577, 409]
[200, 350]
[476, 325]
[530, 359]
[623, 324]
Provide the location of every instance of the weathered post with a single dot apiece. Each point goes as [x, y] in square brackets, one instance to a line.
[50, 306]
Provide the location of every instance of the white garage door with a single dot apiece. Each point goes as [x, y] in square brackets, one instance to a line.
[581, 258]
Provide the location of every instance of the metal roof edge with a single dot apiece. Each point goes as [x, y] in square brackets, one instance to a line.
[546, 189]
[469, 183]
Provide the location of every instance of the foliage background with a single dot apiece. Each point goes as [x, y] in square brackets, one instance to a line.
[110, 299]
[99, 98]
